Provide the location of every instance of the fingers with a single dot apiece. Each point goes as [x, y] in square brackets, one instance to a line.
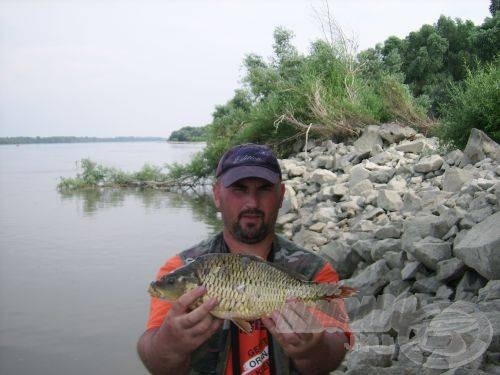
[187, 299]
[197, 315]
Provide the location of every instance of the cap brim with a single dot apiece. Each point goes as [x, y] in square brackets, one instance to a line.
[247, 171]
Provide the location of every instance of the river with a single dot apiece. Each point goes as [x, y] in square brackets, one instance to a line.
[74, 268]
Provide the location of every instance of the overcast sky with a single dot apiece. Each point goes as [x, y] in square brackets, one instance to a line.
[145, 68]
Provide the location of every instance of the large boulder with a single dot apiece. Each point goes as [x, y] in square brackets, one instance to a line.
[479, 248]
[454, 178]
[480, 146]
[368, 139]
[394, 133]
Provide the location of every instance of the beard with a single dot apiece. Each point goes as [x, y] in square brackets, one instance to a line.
[250, 234]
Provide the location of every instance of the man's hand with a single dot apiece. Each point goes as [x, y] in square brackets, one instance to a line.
[304, 340]
[167, 348]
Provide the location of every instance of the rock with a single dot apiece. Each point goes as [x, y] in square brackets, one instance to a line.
[394, 133]
[371, 280]
[479, 247]
[430, 251]
[444, 292]
[368, 139]
[379, 248]
[491, 309]
[416, 147]
[410, 270]
[450, 269]
[429, 164]
[290, 202]
[363, 249]
[411, 201]
[490, 292]
[389, 200]
[358, 173]
[454, 178]
[396, 287]
[395, 259]
[323, 177]
[480, 146]
[325, 214]
[469, 286]
[377, 356]
[324, 161]
[427, 285]
[342, 256]
[419, 227]
[361, 187]
[382, 174]
[454, 157]
[387, 231]
[286, 218]
[292, 168]
[397, 183]
[308, 238]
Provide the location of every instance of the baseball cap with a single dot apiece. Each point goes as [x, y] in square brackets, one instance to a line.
[248, 160]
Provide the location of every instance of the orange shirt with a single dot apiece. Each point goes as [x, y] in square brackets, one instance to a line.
[253, 348]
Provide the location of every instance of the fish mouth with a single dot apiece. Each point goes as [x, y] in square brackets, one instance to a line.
[154, 292]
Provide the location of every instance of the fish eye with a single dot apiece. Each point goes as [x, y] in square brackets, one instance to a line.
[169, 281]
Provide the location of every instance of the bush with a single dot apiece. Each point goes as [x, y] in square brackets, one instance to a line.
[474, 104]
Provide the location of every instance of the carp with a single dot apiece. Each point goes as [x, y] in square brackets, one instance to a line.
[246, 286]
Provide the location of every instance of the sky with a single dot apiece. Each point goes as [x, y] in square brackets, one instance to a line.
[145, 68]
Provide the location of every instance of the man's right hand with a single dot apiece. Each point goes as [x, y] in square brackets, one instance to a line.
[168, 347]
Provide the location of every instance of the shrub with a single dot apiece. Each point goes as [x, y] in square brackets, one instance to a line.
[474, 104]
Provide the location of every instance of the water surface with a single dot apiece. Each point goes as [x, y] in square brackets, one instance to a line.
[74, 268]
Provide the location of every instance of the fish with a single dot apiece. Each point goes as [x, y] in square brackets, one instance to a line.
[246, 286]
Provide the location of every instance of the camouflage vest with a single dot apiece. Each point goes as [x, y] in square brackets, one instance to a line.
[211, 357]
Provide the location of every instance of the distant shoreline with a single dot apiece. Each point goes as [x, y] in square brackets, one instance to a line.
[62, 139]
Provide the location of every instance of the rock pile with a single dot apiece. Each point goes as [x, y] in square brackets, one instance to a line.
[401, 219]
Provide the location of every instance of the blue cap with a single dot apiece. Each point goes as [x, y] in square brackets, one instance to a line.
[248, 160]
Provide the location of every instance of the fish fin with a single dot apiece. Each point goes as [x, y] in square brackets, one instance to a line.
[344, 292]
[243, 325]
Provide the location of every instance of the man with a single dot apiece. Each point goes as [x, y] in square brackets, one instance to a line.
[248, 193]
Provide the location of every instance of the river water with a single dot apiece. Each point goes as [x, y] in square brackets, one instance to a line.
[74, 268]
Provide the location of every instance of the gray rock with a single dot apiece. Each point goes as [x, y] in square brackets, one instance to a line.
[454, 157]
[450, 269]
[490, 292]
[379, 248]
[389, 200]
[387, 231]
[377, 356]
[454, 178]
[323, 177]
[444, 292]
[290, 202]
[292, 168]
[491, 309]
[427, 285]
[397, 287]
[397, 183]
[286, 218]
[358, 173]
[324, 161]
[342, 256]
[430, 251]
[395, 259]
[479, 247]
[368, 139]
[410, 270]
[469, 286]
[361, 187]
[415, 147]
[480, 146]
[429, 164]
[412, 202]
[371, 280]
[363, 249]
[394, 133]
[308, 238]
[382, 174]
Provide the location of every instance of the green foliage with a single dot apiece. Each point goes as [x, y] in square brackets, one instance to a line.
[436, 55]
[189, 134]
[473, 104]
[95, 175]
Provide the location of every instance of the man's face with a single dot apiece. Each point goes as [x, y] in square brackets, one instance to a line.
[249, 208]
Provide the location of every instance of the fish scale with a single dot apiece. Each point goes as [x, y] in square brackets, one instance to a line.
[246, 287]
